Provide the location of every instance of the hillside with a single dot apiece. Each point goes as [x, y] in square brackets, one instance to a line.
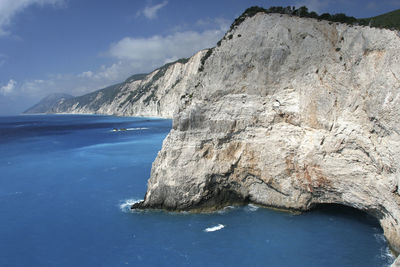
[390, 20]
[159, 93]
[286, 112]
[152, 94]
[48, 103]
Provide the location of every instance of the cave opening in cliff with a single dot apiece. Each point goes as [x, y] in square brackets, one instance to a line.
[346, 212]
[353, 225]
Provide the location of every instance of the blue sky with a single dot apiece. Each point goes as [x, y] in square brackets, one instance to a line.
[78, 46]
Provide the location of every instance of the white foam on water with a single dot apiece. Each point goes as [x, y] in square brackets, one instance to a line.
[380, 238]
[225, 209]
[214, 228]
[387, 256]
[252, 207]
[126, 205]
[136, 129]
[129, 129]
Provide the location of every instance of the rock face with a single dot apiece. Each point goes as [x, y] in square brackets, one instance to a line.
[288, 112]
[151, 95]
[285, 112]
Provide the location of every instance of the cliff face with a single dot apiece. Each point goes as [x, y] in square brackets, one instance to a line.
[285, 112]
[152, 95]
[288, 112]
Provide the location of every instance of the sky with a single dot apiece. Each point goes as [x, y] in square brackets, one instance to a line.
[79, 46]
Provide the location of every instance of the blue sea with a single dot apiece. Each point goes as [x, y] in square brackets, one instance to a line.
[66, 183]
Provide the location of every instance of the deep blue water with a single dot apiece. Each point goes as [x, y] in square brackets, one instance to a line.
[64, 181]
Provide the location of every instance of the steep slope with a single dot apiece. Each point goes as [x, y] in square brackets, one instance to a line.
[157, 94]
[48, 103]
[387, 20]
[288, 112]
[154, 95]
[285, 112]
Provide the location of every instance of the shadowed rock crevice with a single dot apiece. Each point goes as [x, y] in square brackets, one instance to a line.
[339, 210]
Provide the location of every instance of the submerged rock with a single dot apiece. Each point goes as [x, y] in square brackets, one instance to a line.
[289, 113]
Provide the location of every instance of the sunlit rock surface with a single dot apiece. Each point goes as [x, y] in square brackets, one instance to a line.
[285, 112]
[288, 112]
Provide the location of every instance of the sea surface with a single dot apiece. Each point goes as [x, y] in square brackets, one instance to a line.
[66, 183]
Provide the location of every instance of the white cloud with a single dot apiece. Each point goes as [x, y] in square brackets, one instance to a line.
[131, 56]
[77, 84]
[8, 88]
[222, 23]
[60, 83]
[36, 87]
[313, 5]
[10, 8]
[153, 51]
[150, 12]
[86, 74]
[107, 74]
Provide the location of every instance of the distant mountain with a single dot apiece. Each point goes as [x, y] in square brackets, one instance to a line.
[286, 112]
[48, 102]
[154, 94]
[389, 20]
[159, 93]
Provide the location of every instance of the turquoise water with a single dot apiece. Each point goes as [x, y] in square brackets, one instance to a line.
[65, 187]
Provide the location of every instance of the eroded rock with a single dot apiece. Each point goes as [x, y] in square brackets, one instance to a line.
[282, 118]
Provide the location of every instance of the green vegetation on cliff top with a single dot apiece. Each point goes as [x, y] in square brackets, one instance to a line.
[389, 20]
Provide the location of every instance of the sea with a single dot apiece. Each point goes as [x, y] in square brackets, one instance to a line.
[67, 182]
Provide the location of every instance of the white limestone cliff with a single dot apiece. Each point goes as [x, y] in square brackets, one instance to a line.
[154, 95]
[288, 112]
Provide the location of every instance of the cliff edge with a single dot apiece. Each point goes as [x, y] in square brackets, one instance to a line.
[156, 94]
[288, 112]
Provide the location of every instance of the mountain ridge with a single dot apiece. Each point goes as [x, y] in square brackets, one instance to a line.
[286, 112]
[47, 103]
[94, 103]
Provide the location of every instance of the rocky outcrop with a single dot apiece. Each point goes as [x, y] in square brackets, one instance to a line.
[288, 112]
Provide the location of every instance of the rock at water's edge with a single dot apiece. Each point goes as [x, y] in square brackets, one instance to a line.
[289, 113]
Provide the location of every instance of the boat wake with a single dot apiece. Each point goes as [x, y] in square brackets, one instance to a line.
[128, 129]
[214, 228]
[136, 129]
